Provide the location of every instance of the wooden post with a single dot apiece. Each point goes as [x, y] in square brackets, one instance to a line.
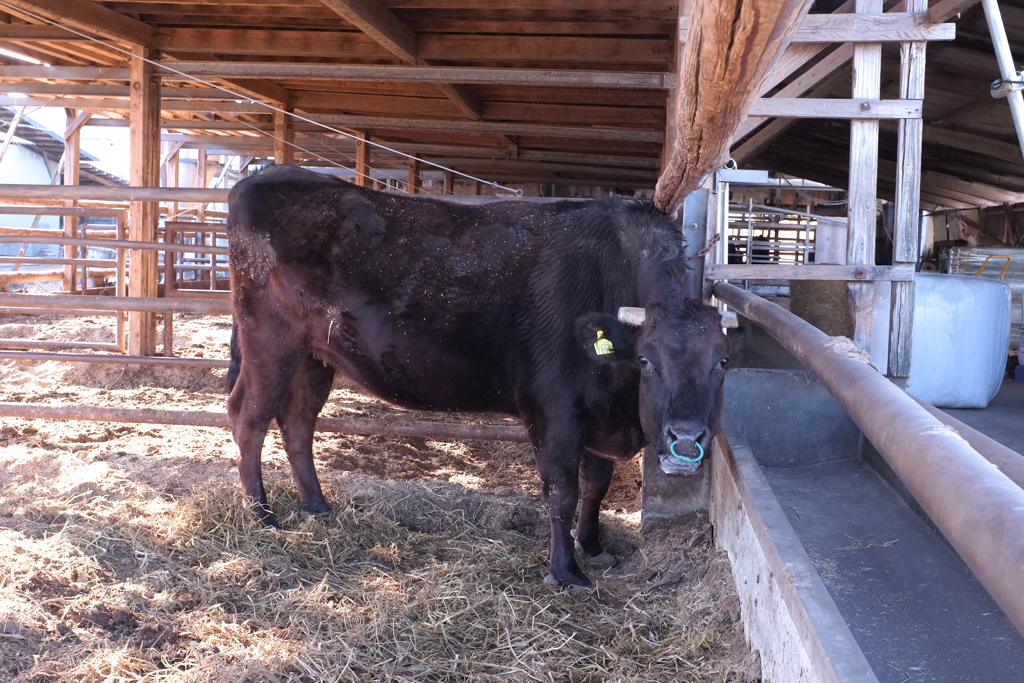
[907, 223]
[449, 182]
[414, 184]
[11, 130]
[860, 248]
[72, 153]
[144, 107]
[201, 181]
[362, 162]
[170, 259]
[284, 137]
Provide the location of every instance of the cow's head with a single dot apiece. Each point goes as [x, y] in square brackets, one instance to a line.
[681, 353]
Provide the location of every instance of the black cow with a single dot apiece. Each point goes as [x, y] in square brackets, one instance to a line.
[502, 307]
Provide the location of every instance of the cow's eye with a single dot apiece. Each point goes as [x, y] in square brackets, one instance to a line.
[722, 363]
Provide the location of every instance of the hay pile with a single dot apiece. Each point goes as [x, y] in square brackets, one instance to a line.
[392, 586]
[128, 554]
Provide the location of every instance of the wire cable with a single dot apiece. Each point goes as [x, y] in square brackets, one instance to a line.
[163, 66]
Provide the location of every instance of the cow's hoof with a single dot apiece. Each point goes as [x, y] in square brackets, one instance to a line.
[603, 560]
[581, 581]
[265, 517]
[316, 512]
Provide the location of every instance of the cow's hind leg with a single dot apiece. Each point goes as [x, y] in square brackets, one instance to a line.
[595, 478]
[263, 383]
[310, 387]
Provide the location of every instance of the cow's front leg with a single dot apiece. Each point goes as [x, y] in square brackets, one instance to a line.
[558, 461]
[595, 478]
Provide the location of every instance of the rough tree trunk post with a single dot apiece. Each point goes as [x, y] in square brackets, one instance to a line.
[730, 47]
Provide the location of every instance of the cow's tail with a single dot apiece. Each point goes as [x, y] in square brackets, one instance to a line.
[236, 359]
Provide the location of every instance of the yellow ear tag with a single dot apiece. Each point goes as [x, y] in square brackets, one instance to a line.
[602, 346]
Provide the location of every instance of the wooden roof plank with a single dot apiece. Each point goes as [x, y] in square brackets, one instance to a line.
[88, 16]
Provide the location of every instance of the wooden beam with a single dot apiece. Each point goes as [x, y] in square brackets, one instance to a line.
[143, 215]
[379, 24]
[238, 71]
[433, 125]
[859, 28]
[100, 91]
[907, 219]
[72, 176]
[12, 128]
[977, 144]
[90, 17]
[756, 271]
[122, 105]
[764, 137]
[807, 108]
[257, 88]
[830, 64]
[68, 73]
[415, 183]
[985, 193]
[343, 46]
[51, 34]
[500, 128]
[863, 184]
[729, 53]
[948, 9]
[76, 123]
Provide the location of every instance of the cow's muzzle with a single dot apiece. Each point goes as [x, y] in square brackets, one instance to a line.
[683, 451]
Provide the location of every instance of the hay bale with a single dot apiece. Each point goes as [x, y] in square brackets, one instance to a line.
[823, 304]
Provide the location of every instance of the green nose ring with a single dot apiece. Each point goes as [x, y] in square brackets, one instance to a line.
[672, 450]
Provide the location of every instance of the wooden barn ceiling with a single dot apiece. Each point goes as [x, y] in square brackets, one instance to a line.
[558, 91]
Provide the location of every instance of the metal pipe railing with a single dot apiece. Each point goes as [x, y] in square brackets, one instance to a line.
[1007, 71]
[976, 507]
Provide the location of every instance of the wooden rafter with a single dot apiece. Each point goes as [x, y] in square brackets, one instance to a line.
[834, 61]
[376, 21]
[88, 16]
[312, 73]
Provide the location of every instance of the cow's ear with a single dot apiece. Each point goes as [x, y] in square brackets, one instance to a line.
[605, 339]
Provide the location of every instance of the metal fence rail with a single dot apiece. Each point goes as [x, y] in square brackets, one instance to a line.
[977, 508]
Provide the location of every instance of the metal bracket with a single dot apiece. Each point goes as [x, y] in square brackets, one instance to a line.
[1001, 88]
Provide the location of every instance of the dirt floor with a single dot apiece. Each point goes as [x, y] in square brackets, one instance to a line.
[127, 552]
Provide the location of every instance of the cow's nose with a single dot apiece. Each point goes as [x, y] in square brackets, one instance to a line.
[685, 432]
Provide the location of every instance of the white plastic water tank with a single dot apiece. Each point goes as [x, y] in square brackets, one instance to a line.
[961, 338]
